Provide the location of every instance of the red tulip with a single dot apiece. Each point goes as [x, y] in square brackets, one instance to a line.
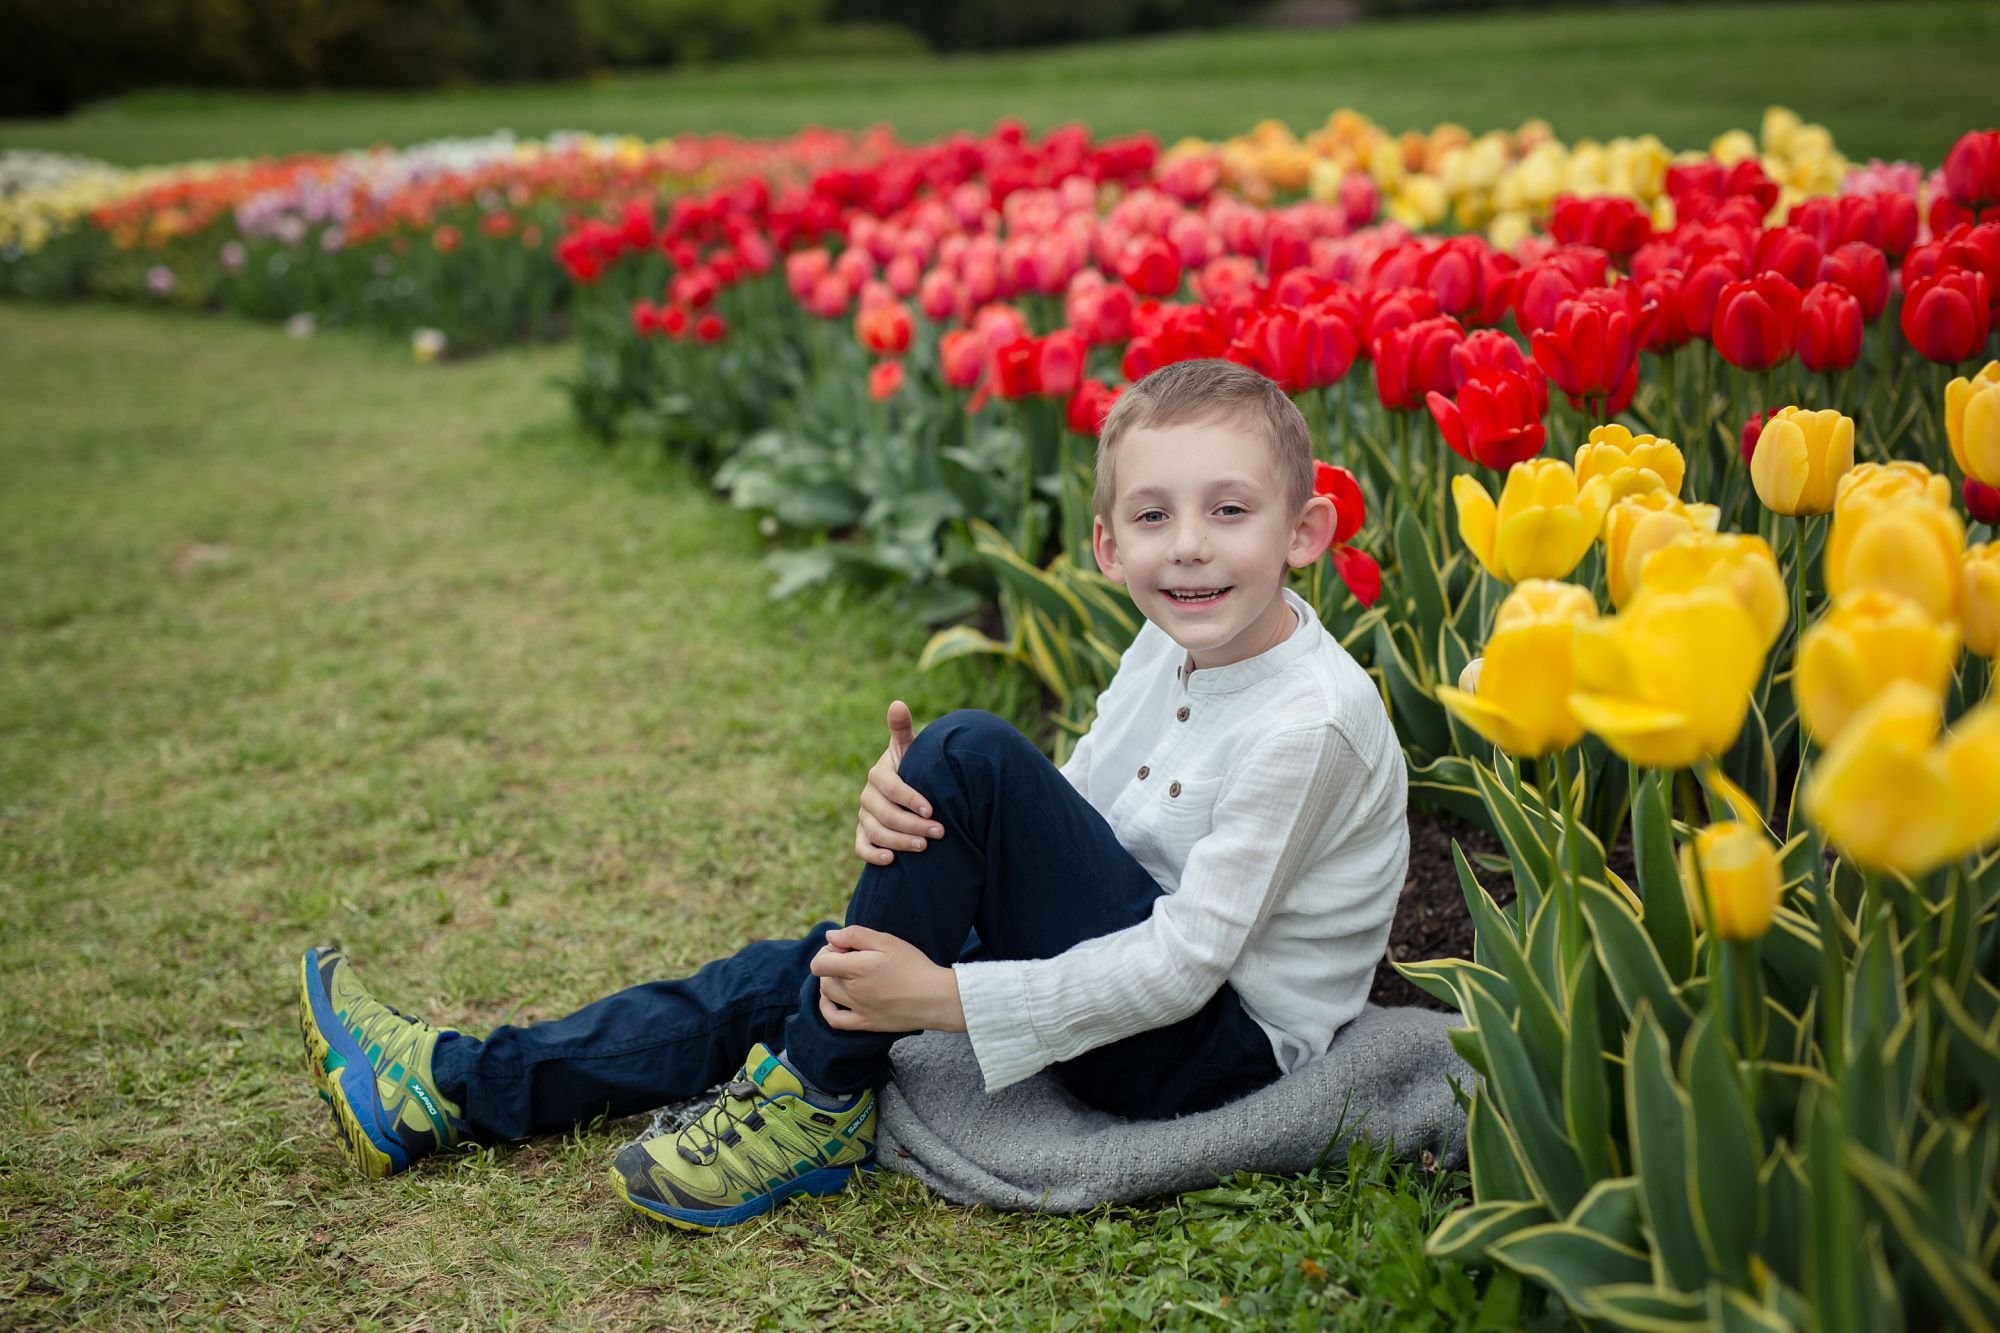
[885, 330]
[1593, 348]
[960, 358]
[1668, 328]
[1494, 421]
[803, 270]
[1300, 349]
[1616, 226]
[1946, 316]
[885, 380]
[1788, 251]
[1359, 572]
[1540, 288]
[1492, 348]
[1410, 362]
[645, 317]
[1702, 287]
[1386, 311]
[710, 328]
[1862, 270]
[1088, 407]
[1150, 267]
[1015, 369]
[674, 323]
[1972, 170]
[1757, 322]
[1350, 509]
[1059, 363]
[1829, 336]
[1982, 502]
[937, 295]
[1455, 274]
[1753, 430]
[1899, 221]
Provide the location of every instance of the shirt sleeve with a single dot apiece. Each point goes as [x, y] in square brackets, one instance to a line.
[1077, 767]
[1284, 805]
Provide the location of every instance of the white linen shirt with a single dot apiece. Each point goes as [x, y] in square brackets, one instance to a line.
[1268, 799]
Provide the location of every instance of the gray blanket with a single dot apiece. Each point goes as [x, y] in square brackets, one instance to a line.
[1033, 1146]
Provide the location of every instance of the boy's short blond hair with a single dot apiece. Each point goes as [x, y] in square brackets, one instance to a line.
[1204, 392]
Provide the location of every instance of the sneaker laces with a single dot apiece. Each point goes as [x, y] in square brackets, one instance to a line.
[700, 1141]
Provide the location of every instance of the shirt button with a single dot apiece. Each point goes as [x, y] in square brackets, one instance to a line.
[1143, 771]
[1181, 715]
[1174, 790]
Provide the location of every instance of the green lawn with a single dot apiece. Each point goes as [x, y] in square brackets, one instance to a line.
[301, 642]
[1892, 79]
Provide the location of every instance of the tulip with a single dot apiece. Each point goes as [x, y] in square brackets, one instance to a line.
[1088, 407]
[1350, 507]
[885, 380]
[1059, 363]
[1669, 328]
[1972, 170]
[1730, 874]
[1868, 639]
[1800, 458]
[885, 330]
[1150, 267]
[1739, 562]
[710, 329]
[1946, 316]
[1615, 452]
[1890, 796]
[1592, 351]
[1702, 290]
[1894, 530]
[1757, 321]
[1300, 349]
[1789, 252]
[1982, 502]
[1829, 328]
[960, 358]
[1542, 526]
[1415, 361]
[1863, 270]
[1667, 682]
[1639, 525]
[1517, 695]
[1616, 226]
[1979, 599]
[1494, 422]
[1972, 422]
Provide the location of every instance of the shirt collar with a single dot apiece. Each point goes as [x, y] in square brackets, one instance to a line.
[1238, 675]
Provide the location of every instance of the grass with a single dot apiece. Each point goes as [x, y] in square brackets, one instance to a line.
[303, 641]
[1902, 79]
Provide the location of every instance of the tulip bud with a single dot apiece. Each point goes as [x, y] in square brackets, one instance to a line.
[1980, 600]
[1829, 329]
[1641, 524]
[1757, 320]
[1972, 423]
[1852, 653]
[1731, 876]
[1613, 450]
[1982, 502]
[1946, 316]
[1800, 458]
[1894, 529]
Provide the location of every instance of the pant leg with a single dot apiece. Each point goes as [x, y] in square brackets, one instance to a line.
[629, 1052]
[1033, 868]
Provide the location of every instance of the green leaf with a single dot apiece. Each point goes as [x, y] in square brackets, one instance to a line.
[1447, 783]
[1666, 915]
[1656, 1131]
[1641, 1305]
[1438, 978]
[1722, 1151]
[1787, 1203]
[1626, 951]
[958, 641]
[1834, 1278]
[1972, 1297]
[1419, 717]
[1976, 1050]
[1036, 588]
[1730, 1311]
[1532, 858]
[1494, 1158]
[1611, 1209]
[1570, 1261]
[1464, 1236]
[1417, 569]
[1541, 1026]
[1517, 1088]
[1586, 1102]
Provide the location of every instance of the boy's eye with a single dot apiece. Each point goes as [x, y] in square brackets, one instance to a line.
[1231, 509]
[1149, 515]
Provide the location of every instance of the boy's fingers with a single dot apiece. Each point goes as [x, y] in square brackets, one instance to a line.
[842, 1020]
[841, 962]
[868, 851]
[861, 938]
[900, 732]
[892, 818]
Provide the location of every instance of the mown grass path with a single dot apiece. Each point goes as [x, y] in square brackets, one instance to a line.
[301, 641]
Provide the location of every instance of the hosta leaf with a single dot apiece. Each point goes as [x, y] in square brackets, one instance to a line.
[1657, 1134]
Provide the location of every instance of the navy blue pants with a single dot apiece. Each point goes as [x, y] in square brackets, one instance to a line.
[1026, 865]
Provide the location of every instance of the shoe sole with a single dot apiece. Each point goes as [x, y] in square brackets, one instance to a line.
[324, 1035]
[823, 1181]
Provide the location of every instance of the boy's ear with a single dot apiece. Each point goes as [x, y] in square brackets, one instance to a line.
[1313, 533]
[1105, 548]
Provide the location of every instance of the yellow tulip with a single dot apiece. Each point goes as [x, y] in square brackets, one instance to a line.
[1890, 796]
[1667, 682]
[1732, 146]
[1979, 599]
[1741, 563]
[1641, 524]
[1613, 450]
[1892, 531]
[1540, 529]
[1730, 872]
[1800, 458]
[1780, 123]
[1855, 650]
[1517, 695]
[1972, 422]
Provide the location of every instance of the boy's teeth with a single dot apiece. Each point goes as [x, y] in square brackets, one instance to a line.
[1182, 595]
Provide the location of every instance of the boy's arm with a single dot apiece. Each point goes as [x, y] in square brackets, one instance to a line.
[1292, 797]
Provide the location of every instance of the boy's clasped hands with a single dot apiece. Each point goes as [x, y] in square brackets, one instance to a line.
[871, 981]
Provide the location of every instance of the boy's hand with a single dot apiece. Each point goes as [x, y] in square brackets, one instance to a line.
[894, 818]
[874, 982]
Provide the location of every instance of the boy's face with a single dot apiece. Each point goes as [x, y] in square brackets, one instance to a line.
[1201, 536]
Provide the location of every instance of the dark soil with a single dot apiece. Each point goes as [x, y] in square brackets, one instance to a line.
[1431, 920]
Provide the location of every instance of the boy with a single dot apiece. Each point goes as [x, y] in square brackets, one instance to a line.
[1192, 906]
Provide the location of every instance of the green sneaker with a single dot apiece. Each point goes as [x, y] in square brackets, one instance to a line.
[761, 1143]
[372, 1066]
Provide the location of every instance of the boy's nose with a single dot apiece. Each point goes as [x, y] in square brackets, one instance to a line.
[1190, 544]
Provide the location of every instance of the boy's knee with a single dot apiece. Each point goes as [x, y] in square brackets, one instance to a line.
[966, 731]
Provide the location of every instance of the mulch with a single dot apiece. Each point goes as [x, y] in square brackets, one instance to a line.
[1431, 920]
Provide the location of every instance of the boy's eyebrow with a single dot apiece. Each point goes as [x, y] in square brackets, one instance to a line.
[1219, 484]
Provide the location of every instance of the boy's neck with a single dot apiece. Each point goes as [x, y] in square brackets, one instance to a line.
[1285, 622]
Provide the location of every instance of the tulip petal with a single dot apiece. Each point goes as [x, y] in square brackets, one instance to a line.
[1780, 467]
[1646, 734]
[1490, 722]
[1478, 521]
[1543, 542]
[1972, 759]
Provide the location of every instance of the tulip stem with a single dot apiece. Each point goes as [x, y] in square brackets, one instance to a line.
[1568, 887]
[1799, 616]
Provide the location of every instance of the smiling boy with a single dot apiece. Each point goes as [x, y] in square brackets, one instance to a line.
[1192, 906]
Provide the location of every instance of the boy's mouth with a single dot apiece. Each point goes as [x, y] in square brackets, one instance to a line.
[1194, 596]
